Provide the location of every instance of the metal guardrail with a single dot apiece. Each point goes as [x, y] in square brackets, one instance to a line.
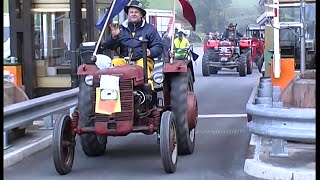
[270, 119]
[19, 114]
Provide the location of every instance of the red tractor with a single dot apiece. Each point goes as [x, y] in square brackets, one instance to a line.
[169, 109]
[227, 54]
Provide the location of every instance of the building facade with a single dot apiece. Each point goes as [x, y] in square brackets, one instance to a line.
[45, 35]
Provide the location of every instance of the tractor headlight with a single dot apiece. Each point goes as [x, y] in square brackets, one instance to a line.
[158, 78]
[89, 80]
[216, 48]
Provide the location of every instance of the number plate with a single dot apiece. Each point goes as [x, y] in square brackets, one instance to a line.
[108, 94]
[224, 59]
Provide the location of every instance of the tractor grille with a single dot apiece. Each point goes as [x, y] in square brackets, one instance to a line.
[126, 98]
[225, 50]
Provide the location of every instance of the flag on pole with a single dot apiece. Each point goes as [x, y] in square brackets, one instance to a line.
[188, 13]
[194, 55]
[118, 7]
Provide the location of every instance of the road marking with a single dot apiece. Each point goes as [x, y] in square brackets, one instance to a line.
[222, 115]
[222, 131]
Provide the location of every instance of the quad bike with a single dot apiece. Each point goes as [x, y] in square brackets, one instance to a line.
[172, 115]
[226, 54]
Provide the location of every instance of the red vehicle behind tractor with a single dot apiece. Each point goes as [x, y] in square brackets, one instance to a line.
[169, 109]
[255, 33]
[227, 54]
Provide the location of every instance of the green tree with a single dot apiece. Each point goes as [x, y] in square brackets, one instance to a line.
[145, 3]
[211, 14]
[5, 6]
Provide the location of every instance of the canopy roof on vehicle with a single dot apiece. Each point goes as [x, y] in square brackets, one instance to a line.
[252, 27]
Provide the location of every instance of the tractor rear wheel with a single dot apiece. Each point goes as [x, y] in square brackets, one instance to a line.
[242, 65]
[180, 84]
[205, 67]
[91, 145]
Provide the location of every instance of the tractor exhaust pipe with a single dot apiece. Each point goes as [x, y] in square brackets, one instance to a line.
[145, 64]
[147, 87]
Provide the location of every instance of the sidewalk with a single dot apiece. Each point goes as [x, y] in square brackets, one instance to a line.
[299, 165]
[34, 140]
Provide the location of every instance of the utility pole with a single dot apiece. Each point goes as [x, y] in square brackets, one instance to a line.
[302, 38]
[75, 19]
[276, 43]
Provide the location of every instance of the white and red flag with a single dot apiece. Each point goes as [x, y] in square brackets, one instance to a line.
[188, 13]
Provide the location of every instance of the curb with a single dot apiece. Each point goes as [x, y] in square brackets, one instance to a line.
[254, 167]
[266, 171]
[25, 151]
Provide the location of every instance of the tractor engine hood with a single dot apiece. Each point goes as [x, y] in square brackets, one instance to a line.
[124, 72]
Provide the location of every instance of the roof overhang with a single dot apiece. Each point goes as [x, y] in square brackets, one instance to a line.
[263, 17]
[253, 27]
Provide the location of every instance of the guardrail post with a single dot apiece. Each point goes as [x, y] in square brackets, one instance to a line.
[265, 79]
[264, 101]
[276, 93]
[278, 148]
[265, 92]
[48, 122]
[264, 96]
[5, 140]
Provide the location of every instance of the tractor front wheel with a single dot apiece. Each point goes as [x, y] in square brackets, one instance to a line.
[242, 65]
[63, 143]
[213, 70]
[168, 142]
[249, 63]
[205, 66]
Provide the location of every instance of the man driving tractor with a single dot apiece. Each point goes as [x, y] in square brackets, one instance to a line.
[129, 35]
[229, 33]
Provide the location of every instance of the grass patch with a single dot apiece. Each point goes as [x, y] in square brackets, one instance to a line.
[161, 4]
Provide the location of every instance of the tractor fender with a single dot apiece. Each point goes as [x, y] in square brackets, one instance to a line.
[86, 69]
[178, 67]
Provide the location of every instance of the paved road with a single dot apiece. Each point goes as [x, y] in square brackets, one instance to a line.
[221, 142]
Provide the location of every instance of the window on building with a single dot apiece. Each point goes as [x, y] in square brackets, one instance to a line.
[52, 37]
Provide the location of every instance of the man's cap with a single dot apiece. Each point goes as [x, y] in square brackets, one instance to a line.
[181, 33]
[231, 25]
[135, 4]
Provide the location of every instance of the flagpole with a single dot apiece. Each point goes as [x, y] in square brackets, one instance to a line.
[104, 27]
[173, 29]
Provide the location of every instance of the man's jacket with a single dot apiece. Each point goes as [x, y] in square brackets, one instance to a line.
[184, 43]
[229, 35]
[130, 37]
